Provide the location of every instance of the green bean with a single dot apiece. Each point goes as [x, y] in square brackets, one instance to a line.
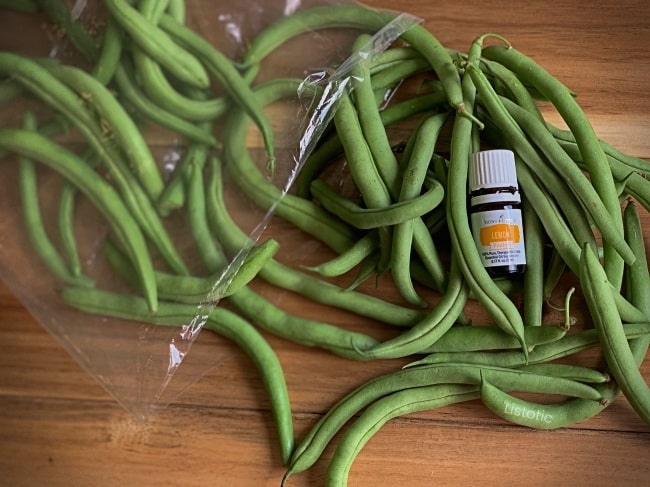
[162, 93]
[379, 413]
[33, 219]
[66, 219]
[115, 122]
[158, 44]
[364, 172]
[434, 325]
[350, 258]
[216, 319]
[224, 71]
[370, 123]
[209, 250]
[153, 9]
[299, 330]
[374, 218]
[482, 338]
[104, 197]
[593, 153]
[569, 345]
[312, 445]
[176, 10]
[110, 54]
[498, 305]
[285, 277]
[637, 275]
[414, 174]
[534, 275]
[621, 362]
[132, 93]
[58, 12]
[539, 416]
[358, 17]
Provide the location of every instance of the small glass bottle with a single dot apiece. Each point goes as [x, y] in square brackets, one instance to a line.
[495, 212]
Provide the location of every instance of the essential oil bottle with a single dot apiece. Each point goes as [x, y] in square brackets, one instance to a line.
[495, 212]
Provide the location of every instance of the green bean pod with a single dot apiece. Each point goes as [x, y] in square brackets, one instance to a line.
[620, 360]
[157, 44]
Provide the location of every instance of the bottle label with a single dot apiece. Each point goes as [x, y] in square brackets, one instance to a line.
[499, 237]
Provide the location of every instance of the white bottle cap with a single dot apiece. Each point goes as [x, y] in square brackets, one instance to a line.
[493, 169]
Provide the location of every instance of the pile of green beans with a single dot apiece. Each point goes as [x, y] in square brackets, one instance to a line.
[405, 216]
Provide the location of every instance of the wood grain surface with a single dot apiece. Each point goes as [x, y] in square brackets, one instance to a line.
[59, 427]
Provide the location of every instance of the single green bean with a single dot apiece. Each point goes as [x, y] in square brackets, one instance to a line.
[621, 362]
[371, 218]
[110, 54]
[534, 241]
[349, 259]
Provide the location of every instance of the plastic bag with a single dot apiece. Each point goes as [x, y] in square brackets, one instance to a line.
[144, 365]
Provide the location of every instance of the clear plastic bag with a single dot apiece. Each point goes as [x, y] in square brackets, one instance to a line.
[144, 365]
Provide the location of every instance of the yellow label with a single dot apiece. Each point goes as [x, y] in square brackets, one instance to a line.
[501, 232]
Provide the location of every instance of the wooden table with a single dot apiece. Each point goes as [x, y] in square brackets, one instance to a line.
[59, 427]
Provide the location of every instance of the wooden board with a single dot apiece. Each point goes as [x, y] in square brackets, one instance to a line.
[59, 427]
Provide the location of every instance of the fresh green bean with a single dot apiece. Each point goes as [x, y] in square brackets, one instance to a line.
[534, 276]
[483, 338]
[371, 218]
[104, 197]
[299, 330]
[158, 44]
[414, 174]
[349, 259]
[216, 319]
[33, 219]
[110, 54]
[133, 94]
[555, 269]
[115, 122]
[540, 416]
[621, 362]
[568, 371]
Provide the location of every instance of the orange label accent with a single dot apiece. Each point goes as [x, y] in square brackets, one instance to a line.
[501, 232]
